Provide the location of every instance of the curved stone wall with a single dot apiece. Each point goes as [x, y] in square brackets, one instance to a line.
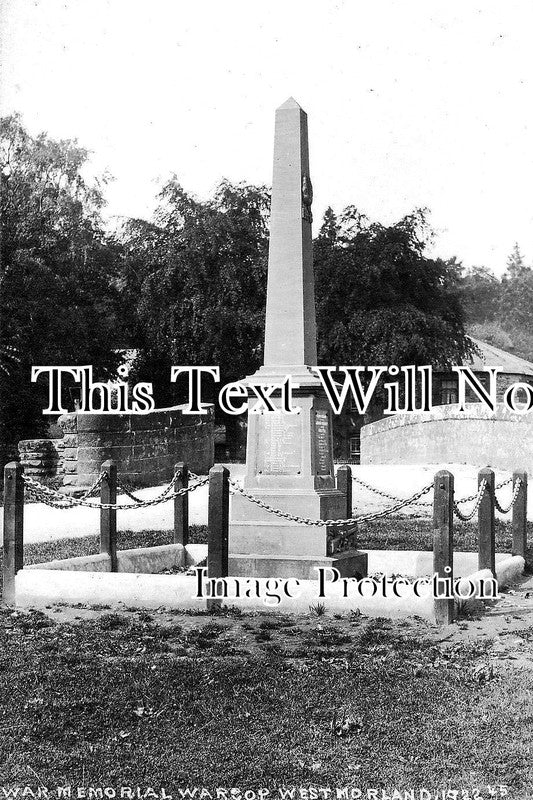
[476, 436]
[145, 446]
[41, 458]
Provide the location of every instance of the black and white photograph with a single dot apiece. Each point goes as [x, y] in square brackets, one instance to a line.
[266, 400]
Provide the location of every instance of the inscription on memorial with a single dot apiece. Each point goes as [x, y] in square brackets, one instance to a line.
[322, 452]
[281, 444]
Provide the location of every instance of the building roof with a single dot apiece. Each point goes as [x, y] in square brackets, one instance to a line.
[494, 357]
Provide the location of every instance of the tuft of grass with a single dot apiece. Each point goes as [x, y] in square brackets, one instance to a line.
[109, 622]
[276, 622]
[263, 635]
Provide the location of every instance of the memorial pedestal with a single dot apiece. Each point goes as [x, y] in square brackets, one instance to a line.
[290, 468]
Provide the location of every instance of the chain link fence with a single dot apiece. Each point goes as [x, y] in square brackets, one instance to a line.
[56, 499]
[484, 501]
[332, 522]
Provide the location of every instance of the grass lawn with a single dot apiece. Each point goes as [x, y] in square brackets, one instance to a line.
[408, 533]
[257, 701]
[392, 533]
[90, 697]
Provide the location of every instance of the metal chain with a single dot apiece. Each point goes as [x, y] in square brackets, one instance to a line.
[516, 489]
[385, 494]
[57, 500]
[474, 496]
[330, 522]
[426, 502]
[121, 489]
[477, 497]
[39, 493]
[96, 485]
[63, 500]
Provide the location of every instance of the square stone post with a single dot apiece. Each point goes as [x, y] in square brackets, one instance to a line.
[108, 516]
[181, 505]
[520, 515]
[487, 523]
[443, 541]
[13, 528]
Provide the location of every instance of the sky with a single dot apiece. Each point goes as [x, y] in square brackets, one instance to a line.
[411, 103]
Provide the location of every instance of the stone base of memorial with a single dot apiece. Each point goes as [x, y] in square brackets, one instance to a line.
[290, 469]
[350, 564]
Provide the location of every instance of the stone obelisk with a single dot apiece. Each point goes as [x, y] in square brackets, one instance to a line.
[289, 462]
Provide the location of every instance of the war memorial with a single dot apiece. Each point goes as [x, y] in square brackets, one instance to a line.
[289, 459]
[290, 519]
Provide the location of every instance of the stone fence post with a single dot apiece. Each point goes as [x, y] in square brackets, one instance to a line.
[181, 505]
[13, 528]
[443, 541]
[520, 516]
[218, 524]
[344, 485]
[486, 523]
[108, 516]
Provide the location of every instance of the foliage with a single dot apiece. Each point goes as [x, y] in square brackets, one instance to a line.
[380, 300]
[500, 312]
[189, 286]
[480, 293]
[516, 303]
[516, 266]
[197, 277]
[56, 272]
[522, 341]
[492, 333]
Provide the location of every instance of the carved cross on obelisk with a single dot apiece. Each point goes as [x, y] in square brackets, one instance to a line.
[289, 458]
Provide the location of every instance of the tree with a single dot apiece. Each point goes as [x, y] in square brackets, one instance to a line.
[197, 276]
[56, 274]
[380, 300]
[516, 301]
[480, 293]
[516, 267]
[492, 333]
[501, 311]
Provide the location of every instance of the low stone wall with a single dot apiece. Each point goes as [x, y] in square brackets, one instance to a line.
[145, 446]
[503, 440]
